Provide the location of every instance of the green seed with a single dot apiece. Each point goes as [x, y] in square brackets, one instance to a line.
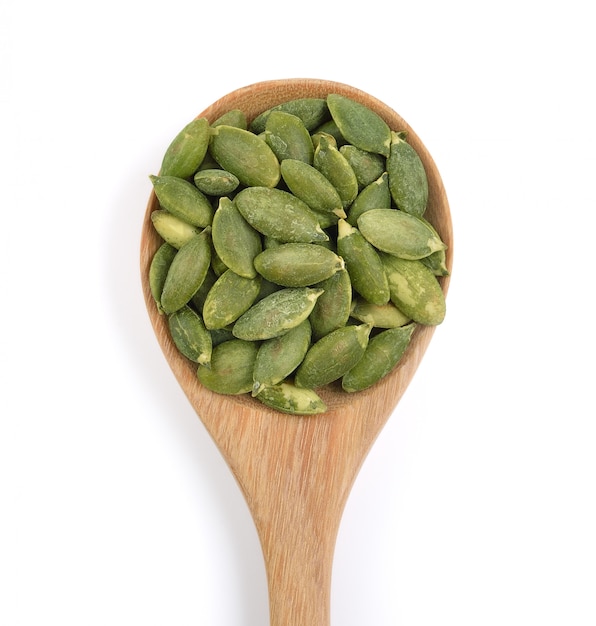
[245, 155]
[437, 261]
[190, 335]
[236, 242]
[312, 111]
[288, 398]
[276, 314]
[414, 290]
[287, 136]
[231, 368]
[312, 187]
[278, 357]
[367, 166]
[373, 196]
[182, 199]
[363, 264]
[335, 167]
[198, 300]
[361, 126]
[407, 177]
[382, 354]
[332, 309]
[230, 297]
[332, 356]
[378, 315]
[399, 233]
[297, 264]
[280, 215]
[158, 270]
[184, 155]
[331, 129]
[172, 229]
[215, 182]
[234, 117]
[187, 272]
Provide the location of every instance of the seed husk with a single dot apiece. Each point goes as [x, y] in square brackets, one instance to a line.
[382, 354]
[297, 264]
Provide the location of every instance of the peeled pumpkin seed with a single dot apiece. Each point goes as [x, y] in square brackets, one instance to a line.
[414, 290]
[378, 315]
[335, 167]
[298, 264]
[361, 126]
[172, 229]
[229, 297]
[182, 199]
[187, 272]
[280, 215]
[312, 187]
[236, 242]
[190, 335]
[234, 117]
[399, 233]
[215, 182]
[332, 309]
[288, 398]
[278, 357]
[382, 354]
[231, 366]
[332, 356]
[245, 155]
[312, 111]
[374, 196]
[185, 153]
[287, 136]
[407, 178]
[276, 314]
[363, 264]
[367, 166]
[158, 270]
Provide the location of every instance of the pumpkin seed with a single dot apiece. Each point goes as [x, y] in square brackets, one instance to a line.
[382, 354]
[215, 182]
[234, 117]
[185, 153]
[399, 233]
[367, 166]
[287, 136]
[276, 314]
[378, 315]
[335, 167]
[298, 264]
[245, 155]
[172, 229]
[312, 111]
[373, 196]
[230, 297]
[332, 309]
[231, 366]
[190, 335]
[158, 270]
[288, 398]
[182, 199]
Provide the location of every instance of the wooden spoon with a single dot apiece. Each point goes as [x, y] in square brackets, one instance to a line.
[296, 472]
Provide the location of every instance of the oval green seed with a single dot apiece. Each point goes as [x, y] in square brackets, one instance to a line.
[280, 215]
[373, 196]
[172, 229]
[378, 315]
[367, 166]
[399, 233]
[278, 357]
[185, 153]
[333, 306]
[229, 298]
[215, 182]
[407, 177]
[297, 264]
[312, 187]
[187, 272]
[231, 367]
[312, 111]
[361, 126]
[437, 261]
[382, 354]
[158, 270]
[276, 314]
[244, 154]
[182, 199]
[287, 136]
[335, 167]
[190, 336]
[234, 117]
[332, 356]
[288, 398]
[363, 264]
[236, 242]
[414, 290]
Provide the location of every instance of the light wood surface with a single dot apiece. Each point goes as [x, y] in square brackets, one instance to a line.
[296, 472]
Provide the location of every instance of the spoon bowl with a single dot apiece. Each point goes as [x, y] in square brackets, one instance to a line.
[296, 472]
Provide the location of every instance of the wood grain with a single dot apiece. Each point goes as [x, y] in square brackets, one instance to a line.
[296, 472]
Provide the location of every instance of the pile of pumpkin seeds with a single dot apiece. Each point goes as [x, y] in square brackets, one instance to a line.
[295, 250]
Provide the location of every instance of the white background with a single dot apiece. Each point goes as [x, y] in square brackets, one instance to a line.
[477, 504]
